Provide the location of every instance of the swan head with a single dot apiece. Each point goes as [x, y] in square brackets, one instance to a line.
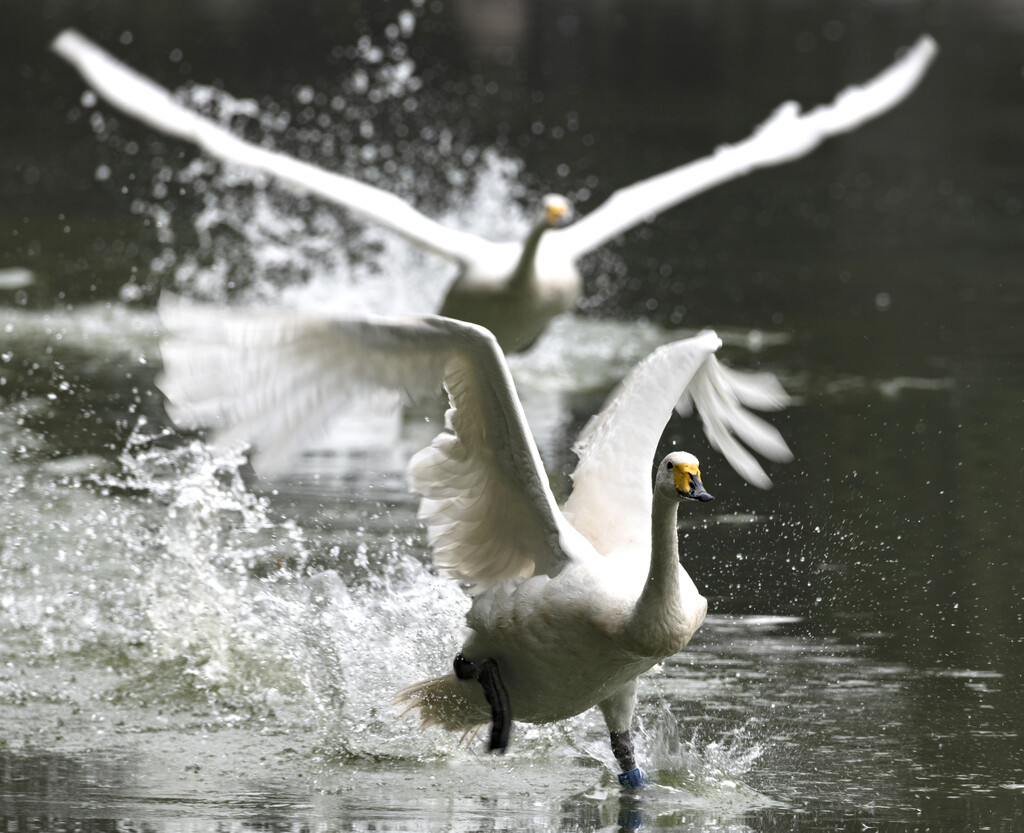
[679, 477]
[556, 211]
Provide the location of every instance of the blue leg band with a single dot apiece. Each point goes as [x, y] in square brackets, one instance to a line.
[634, 779]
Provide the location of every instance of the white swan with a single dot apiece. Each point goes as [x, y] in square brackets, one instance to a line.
[569, 607]
[512, 288]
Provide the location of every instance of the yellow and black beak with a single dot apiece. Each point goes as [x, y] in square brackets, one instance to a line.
[559, 213]
[687, 480]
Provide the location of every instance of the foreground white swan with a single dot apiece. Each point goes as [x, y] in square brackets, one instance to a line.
[512, 288]
[568, 607]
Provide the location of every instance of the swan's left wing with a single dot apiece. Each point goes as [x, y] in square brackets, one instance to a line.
[273, 378]
[610, 502]
[788, 134]
[147, 101]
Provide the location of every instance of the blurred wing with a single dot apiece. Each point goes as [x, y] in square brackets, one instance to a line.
[785, 136]
[145, 100]
[721, 397]
[610, 502]
[273, 378]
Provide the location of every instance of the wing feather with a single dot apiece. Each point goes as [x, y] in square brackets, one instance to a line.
[610, 502]
[785, 136]
[153, 105]
[273, 378]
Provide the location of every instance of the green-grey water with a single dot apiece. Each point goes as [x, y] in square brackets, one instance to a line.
[183, 646]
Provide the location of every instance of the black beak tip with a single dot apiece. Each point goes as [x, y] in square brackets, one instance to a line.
[704, 497]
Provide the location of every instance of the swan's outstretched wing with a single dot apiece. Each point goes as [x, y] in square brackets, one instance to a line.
[273, 377]
[611, 497]
[151, 104]
[786, 135]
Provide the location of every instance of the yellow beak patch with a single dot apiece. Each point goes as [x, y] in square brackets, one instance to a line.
[682, 474]
[556, 212]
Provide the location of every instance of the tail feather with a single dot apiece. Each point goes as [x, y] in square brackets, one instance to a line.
[445, 702]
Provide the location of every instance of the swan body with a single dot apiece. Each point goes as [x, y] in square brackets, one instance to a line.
[607, 617]
[569, 605]
[520, 287]
[513, 288]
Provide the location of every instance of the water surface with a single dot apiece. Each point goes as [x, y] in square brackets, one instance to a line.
[183, 645]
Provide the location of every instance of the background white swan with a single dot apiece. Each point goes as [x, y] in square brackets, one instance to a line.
[515, 287]
[568, 609]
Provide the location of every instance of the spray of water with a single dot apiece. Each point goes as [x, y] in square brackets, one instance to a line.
[239, 615]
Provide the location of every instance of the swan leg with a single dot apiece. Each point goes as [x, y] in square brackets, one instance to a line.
[486, 673]
[622, 749]
[618, 714]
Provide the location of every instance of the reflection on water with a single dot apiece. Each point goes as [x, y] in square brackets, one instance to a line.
[180, 644]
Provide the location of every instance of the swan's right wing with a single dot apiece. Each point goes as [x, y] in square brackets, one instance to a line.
[153, 105]
[610, 502]
[273, 378]
[788, 134]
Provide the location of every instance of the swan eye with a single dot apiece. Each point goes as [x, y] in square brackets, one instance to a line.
[668, 466]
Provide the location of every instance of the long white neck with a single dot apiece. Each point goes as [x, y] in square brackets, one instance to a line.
[525, 267]
[658, 612]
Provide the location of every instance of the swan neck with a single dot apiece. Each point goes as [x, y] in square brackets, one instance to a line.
[525, 267]
[661, 595]
[664, 569]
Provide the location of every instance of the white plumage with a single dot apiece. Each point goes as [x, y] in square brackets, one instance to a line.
[513, 288]
[571, 607]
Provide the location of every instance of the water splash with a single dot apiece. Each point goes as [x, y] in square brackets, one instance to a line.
[230, 233]
[254, 240]
[687, 767]
[694, 763]
[242, 614]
